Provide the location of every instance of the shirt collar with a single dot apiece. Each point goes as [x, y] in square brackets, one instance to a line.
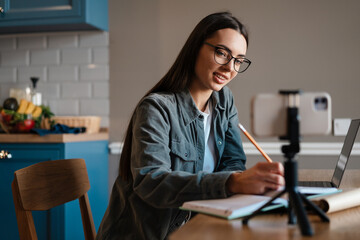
[188, 108]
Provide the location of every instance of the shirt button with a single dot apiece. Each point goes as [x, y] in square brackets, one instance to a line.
[219, 142]
[186, 154]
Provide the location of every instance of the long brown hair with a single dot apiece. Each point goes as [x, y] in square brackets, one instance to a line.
[180, 74]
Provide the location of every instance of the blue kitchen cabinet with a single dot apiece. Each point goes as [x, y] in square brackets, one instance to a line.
[19, 16]
[62, 222]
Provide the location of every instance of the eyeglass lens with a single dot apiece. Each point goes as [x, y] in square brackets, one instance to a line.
[223, 57]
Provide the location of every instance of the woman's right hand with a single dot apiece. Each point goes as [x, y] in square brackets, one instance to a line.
[260, 178]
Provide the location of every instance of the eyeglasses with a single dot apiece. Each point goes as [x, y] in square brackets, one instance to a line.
[223, 56]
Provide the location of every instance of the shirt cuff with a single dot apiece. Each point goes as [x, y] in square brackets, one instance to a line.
[215, 185]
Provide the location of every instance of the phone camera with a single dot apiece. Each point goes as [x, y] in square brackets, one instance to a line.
[321, 103]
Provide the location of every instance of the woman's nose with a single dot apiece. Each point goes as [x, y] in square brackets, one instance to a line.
[229, 66]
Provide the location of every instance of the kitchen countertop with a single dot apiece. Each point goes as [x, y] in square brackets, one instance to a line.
[53, 138]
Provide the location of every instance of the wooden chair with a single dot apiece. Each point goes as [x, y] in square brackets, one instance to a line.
[46, 185]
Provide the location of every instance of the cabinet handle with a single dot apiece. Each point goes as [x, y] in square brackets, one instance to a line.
[5, 154]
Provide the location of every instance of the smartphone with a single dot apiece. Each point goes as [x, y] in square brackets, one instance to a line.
[269, 114]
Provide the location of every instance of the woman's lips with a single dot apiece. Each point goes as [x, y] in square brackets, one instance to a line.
[221, 79]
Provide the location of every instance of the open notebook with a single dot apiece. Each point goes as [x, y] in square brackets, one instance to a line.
[342, 161]
[240, 205]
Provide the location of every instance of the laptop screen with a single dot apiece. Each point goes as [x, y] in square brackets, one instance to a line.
[345, 152]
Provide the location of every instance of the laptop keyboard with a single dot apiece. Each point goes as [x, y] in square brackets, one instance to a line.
[315, 184]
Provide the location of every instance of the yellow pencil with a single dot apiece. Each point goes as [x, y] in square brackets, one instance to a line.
[255, 143]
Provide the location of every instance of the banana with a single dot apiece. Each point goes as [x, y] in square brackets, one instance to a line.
[36, 113]
[23, 106]
[30, 108]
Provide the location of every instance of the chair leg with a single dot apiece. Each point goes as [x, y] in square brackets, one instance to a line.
[87, 219]
[24, 218]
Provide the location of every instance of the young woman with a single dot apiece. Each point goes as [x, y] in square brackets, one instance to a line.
[183, 142]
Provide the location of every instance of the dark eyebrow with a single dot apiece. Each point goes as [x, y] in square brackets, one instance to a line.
[226, 48]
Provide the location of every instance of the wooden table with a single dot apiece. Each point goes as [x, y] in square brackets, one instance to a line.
[343, 225]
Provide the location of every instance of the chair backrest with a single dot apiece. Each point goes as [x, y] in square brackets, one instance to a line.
[46, 185]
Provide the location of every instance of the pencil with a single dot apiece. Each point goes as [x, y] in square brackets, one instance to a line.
[252, 140]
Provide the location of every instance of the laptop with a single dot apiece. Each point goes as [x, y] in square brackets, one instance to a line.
[342, 161]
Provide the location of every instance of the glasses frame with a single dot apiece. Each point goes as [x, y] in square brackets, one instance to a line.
[232, 57]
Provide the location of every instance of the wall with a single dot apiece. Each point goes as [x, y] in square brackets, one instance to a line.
[73, 68]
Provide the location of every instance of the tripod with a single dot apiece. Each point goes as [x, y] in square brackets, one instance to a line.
[296, 199]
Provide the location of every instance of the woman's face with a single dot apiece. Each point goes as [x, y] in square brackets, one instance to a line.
[209, 75]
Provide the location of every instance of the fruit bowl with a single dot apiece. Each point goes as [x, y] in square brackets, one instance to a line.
[21, 118]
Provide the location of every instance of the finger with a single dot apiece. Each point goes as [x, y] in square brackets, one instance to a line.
[276, 179]
[272, 186]
[281, 169]
[274, 167]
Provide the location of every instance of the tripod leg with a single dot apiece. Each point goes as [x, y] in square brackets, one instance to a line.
[291, 216]
[299, 209]
[315, 208]
[247, 218]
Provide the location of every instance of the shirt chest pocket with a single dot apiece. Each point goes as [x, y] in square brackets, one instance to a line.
[183, 156]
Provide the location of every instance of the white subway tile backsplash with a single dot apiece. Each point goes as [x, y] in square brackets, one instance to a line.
[63, 73]
[31, 42]
[49, 90]
[94, 107]
[76, 90]
[73, 68]
[93, 39]
[45, 57]
[7, 43]
[76, 56]
[100, 55]
[25, 73]
[101, 90]
[4, 91]
[14, 58]
[94, 72]
[63, 41]
[63, 107]
[7, 74]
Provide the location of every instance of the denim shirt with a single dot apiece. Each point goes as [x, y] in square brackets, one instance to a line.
[167, 165]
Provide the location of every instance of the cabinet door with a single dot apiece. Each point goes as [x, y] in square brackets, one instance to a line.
[23, 155]
[35, 10]
[21, 16]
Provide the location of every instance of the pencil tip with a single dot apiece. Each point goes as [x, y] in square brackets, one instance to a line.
[242, 127]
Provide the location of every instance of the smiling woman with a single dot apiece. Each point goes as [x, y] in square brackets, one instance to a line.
[183, 142]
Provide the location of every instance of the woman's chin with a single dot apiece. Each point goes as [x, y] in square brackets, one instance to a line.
[218, 87]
